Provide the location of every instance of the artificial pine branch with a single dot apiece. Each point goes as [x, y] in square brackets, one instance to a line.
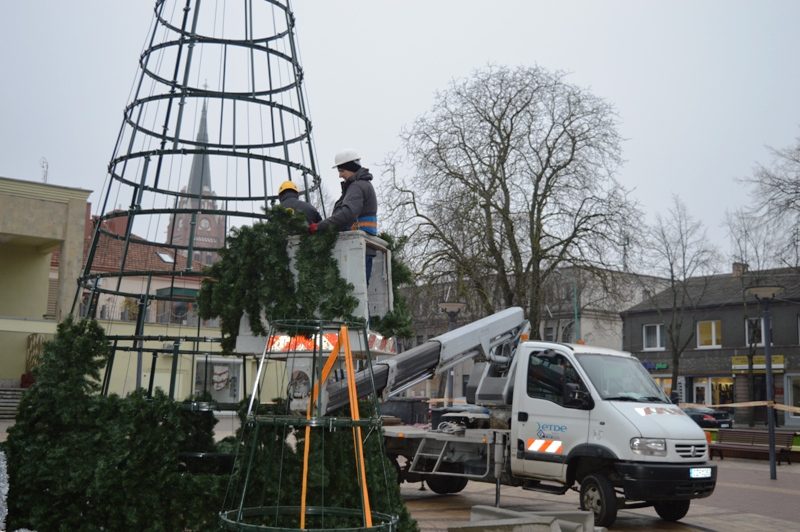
[398, 321]
[253, 276]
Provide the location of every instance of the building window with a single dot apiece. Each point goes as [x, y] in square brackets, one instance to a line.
[794, 393]
[754, 331]
[709, 333]
[566, 334]
[549, 334]
[653, 336]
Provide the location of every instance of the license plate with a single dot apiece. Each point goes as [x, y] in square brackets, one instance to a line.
[700, 472]
[724, 425]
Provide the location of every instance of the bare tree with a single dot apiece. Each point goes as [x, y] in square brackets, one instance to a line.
[750, 238]
[513, 178]
[776, 190]
[678, 250]
[753, 240]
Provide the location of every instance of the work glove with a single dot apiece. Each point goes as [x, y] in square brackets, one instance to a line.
[312, 228]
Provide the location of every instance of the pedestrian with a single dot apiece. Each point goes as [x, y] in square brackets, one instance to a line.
[289, 197]
[357, 208]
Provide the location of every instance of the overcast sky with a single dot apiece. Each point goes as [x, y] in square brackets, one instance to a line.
[701, 87]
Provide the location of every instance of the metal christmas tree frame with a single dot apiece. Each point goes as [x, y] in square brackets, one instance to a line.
[217, 121]
[313, 357]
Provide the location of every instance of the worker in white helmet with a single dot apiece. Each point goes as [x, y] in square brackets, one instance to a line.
[357, 208]
[289, 196]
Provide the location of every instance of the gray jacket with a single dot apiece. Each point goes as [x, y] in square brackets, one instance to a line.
[289, 200]
[357, 208]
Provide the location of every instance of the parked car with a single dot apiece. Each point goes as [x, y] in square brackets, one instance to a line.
[710, 418]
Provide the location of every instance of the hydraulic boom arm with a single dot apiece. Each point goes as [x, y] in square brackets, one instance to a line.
[486, 337]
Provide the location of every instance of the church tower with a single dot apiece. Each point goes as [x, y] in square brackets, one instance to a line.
[193, 225]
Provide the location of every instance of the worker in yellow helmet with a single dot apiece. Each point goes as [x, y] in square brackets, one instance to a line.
[289, 196]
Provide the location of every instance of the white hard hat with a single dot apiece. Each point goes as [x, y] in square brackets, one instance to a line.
[345, 156]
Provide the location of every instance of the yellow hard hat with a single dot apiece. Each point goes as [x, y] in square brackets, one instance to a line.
[288, 185]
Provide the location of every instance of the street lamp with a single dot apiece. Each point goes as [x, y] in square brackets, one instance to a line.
[765, 294]
[452, 309]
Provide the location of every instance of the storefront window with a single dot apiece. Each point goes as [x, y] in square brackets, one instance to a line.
[721, 390]
[665, 383]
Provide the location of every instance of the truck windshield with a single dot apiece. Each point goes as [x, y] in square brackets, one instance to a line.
[621, 378]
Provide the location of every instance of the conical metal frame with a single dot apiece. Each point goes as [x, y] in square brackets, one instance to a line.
[308, 356]
[217, 121]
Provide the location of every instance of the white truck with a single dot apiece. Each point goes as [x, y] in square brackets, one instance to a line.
[548, 417]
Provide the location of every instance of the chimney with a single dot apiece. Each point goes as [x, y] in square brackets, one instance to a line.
[739, 268]
[116, 222]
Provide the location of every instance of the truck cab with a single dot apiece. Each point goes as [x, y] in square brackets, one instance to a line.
[594, 417]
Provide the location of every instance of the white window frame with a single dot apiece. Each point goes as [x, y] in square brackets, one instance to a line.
[789, 397]
[660, 340]
[716, 336]
[747, 331]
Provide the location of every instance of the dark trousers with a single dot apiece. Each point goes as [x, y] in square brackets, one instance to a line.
[368, 262]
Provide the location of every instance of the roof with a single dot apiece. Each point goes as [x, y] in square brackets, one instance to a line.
[141, 256]
[726, 289]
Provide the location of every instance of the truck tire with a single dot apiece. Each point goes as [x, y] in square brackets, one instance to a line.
[444, 485]
[672, 510]
[598, 496]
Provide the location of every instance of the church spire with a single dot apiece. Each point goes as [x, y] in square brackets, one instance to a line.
[200, 176]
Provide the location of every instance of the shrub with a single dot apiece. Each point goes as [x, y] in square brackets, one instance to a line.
[80, 461]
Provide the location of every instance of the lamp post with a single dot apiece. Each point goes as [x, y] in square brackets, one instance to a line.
[452, 309]
[764, 295]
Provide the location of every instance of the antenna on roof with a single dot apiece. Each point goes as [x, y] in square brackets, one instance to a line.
[45, 167]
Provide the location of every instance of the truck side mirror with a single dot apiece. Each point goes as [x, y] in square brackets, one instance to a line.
[577, 397]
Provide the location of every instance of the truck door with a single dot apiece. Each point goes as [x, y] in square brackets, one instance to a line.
[552, 415]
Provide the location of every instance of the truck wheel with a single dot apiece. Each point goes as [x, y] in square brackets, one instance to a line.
[598, 496]
[444, 485]
[672, 510]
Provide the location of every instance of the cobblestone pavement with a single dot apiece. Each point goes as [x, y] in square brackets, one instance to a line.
[745, 499]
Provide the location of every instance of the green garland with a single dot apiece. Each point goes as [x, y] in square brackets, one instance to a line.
[398, 321]
[253, 276]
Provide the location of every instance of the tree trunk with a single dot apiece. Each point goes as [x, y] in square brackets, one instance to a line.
[676, 356]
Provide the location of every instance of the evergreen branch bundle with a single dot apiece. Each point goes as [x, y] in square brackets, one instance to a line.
[254, 276]
[81, 461]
